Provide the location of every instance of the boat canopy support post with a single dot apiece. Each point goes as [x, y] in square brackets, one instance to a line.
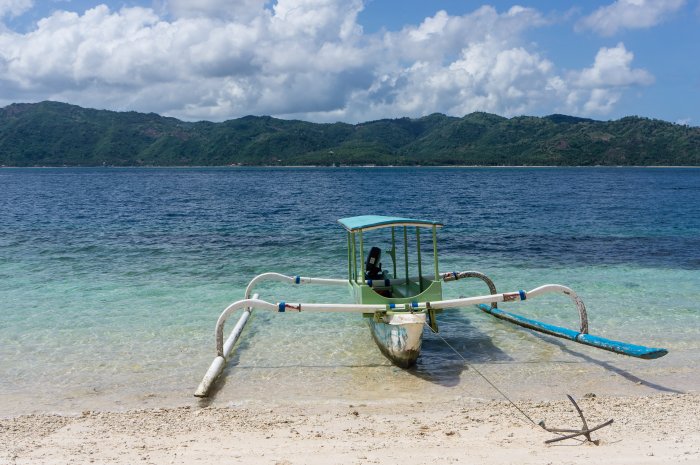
[354, 258]
[405, 252]
[435, 252]
[420, 264]
[393, 249]
[362, 257]
[350, 252]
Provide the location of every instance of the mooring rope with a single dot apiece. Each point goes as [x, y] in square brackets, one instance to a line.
[485, 378]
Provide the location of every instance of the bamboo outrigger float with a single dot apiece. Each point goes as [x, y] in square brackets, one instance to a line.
[397, 305]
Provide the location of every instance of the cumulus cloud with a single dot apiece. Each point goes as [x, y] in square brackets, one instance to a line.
[440, 37]
[612, 68]
[454, 65]
[629, 14]
[14, 7]
[240, 9]
[197, 66]
[595, 90]
[483, 78]
[306, 59]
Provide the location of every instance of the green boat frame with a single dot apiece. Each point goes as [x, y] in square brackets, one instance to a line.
[398, 305]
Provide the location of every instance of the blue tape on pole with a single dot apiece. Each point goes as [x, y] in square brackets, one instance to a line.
[297, 280]
[523, 296]
[281, 306]
[392, 306]
[414, 304]
[369, 282]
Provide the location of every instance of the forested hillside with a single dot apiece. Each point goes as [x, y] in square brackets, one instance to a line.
[58, 134]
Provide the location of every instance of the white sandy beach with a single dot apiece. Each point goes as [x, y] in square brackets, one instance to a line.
[657, 429]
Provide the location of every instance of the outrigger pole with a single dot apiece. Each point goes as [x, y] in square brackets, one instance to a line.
[249, 303]
[224, 350]
[583, 338]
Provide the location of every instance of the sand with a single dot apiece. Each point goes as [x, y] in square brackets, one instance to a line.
[657, 429]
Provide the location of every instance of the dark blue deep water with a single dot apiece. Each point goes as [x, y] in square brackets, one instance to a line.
[111, 279]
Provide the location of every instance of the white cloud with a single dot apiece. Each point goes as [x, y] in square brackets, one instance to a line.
[612, 69]
[596, 90]
[601, 101]
[241, 10]
[306, 59]
[482, 78]
[629, 14]
[14, 7]
[442, 37]
[455, 65]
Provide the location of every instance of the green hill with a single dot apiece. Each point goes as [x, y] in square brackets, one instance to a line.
[57, 134]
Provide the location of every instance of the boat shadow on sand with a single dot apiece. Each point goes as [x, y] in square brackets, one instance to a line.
[606, 365]
[439, 364]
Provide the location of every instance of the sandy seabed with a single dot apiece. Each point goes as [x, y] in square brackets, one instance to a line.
[656, 429]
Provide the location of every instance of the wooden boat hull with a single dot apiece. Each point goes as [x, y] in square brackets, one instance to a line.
[399, 336]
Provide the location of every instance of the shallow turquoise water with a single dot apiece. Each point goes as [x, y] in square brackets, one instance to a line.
[111, 280]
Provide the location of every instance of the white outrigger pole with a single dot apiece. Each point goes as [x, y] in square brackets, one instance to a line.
[224, 349]
[486, 303]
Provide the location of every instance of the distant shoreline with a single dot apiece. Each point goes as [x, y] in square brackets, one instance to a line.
[359, 166]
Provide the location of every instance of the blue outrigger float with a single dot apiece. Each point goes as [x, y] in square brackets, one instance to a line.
[399, 306]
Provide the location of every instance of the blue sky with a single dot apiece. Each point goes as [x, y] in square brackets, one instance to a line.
[355, 60]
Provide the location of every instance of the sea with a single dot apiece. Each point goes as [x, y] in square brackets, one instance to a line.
[112, 280]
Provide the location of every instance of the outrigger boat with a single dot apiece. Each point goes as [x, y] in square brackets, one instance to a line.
[399, 306]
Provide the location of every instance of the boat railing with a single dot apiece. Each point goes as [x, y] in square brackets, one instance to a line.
[580, 306]
[291, 280]
[454, 276]
[523, 295]
[446, 277]
[583, 316]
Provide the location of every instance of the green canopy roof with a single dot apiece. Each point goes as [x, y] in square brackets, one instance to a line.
[357, 223]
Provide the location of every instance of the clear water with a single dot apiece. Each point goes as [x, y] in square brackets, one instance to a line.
[111, 281]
